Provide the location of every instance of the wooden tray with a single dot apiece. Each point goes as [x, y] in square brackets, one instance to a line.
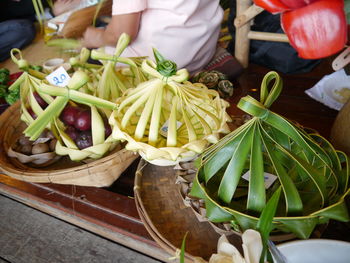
[167, 219]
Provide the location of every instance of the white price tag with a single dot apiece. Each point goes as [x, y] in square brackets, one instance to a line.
[269, 179]
[164, 130]
[59, 77]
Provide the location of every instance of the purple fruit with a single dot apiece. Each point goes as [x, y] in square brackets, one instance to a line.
[31, 112]
[69, 115]
[108, 129]
[72, 132]
[83, 121]
[40, 100]
[84, 140]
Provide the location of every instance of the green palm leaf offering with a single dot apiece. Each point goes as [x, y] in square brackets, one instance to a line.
[313, 176]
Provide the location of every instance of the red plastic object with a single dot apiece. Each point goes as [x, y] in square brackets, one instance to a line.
[317, 30]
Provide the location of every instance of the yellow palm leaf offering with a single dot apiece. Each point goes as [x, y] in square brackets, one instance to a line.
[168, 119]
[76, 112]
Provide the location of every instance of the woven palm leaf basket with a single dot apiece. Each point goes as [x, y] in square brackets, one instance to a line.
[99, 173]
[168, 219]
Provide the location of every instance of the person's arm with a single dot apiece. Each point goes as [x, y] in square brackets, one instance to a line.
[98, 37]
[62, 6]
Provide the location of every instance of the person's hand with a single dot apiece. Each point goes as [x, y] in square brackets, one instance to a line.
[99, 37]
[93, 37]
[62, 6]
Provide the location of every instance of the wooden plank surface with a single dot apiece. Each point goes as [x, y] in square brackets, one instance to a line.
[103, 212]
[30, 236]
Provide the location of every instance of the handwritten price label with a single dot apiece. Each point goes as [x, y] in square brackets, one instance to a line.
[269, 179]
[59, 77]
[164, 129]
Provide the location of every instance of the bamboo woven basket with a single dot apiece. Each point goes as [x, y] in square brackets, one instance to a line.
[167, 219]
[99, 173]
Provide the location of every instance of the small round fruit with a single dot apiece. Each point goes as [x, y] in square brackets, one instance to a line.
[71, 132]
[83, 121]
[26, 149]
[69, 115]
[23, 140]
[40, 148]
[84, 140]
[108, 129]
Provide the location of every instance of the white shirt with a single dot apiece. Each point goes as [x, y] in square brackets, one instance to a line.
[184, 31]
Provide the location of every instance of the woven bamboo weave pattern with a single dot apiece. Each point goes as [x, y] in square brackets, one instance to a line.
[166, 217]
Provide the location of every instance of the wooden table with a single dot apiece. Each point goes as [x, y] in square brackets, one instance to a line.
[111, 212]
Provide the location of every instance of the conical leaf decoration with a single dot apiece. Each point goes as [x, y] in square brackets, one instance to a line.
[94, 71]
[168, 117]
[28, 84]
[112, 84]
[92, 89]
[313, 176]
[50, 118]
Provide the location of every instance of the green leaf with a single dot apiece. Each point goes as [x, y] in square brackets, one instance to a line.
[338, 211]
[264, 225]
[13, 96]
[196, 190]
[159, 57]
[302, 227]
[290, 130]
[165, 67]
[281, 138]
[4, 71]
[244, 221]
[315, 175]
[183, 245]
[213, 149]
[255, 108]
[53, 110]
[268, 98]
[235, 167]
[219, 158]
[344, 174]
[3, 91]
[64, 43]
[329, 149]
[215, 213]
[256, 194]
[294, 204]
[19, 81]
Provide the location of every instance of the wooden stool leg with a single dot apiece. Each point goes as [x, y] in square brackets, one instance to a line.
[242, 43]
